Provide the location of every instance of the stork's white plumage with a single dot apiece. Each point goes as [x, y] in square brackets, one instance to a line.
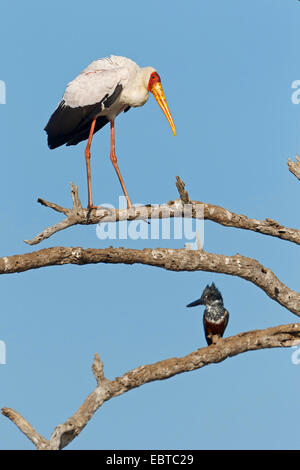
[95, 97]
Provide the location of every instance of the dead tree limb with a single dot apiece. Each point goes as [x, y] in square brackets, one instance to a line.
[194, 209]
[39, 441]
[169, 259]
[275, 337]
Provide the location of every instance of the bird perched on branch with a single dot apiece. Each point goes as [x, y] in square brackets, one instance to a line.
[106, 88]
[215, 318]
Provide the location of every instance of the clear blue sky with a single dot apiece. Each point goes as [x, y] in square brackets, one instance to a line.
[227, 69]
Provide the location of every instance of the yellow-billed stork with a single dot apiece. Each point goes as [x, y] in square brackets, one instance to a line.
[95, 97]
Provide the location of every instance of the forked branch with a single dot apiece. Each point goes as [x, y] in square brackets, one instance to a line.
[275, 337]
[170, 259]
[182, 207]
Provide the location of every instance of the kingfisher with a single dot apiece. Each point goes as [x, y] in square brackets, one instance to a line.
[215, 318]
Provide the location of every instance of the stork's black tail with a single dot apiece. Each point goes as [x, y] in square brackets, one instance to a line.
[72, 125]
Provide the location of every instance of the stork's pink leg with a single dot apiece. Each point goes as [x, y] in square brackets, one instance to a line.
[115, 163]
[87, 154]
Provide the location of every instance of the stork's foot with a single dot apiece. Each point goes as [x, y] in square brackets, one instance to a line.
[91, 206]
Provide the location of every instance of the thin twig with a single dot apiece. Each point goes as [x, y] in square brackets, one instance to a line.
[294, 167]
[98, 371]
[184, 195]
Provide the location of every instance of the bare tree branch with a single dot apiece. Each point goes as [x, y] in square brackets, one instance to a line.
[196, 210]
[170, 259]
[275, 337]
[294, 167]
[39, 441]
[97, 369]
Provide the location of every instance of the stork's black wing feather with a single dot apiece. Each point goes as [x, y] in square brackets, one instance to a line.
[70, 126]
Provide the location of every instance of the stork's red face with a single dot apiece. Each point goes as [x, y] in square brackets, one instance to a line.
[156, 89]
[154, 78]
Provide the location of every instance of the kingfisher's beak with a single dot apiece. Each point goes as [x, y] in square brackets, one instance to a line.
[159, 95]
[197, 302]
